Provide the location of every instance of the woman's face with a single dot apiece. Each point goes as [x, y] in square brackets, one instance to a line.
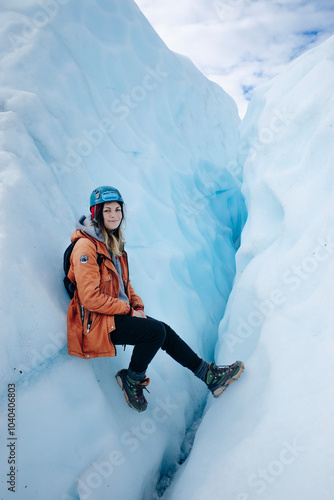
[112, 215]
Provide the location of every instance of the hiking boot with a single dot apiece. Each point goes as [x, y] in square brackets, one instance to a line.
[133, 390]
[219, 377]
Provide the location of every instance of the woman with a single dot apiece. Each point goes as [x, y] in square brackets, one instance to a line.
[106, 312]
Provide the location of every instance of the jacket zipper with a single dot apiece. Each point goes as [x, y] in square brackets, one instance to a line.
[124, 278]
[89, 320]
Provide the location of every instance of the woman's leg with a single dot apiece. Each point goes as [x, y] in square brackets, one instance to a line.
[148, 335]
[145, 334]
[179, 350]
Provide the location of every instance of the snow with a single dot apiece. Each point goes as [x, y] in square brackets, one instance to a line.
[90, 95]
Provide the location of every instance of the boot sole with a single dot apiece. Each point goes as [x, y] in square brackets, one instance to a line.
[120, 383]
[218, 392]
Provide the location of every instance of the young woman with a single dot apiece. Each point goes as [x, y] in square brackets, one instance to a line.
[106, 312]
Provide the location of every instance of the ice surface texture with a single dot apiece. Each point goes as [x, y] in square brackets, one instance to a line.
[90, 95]
[272, 436]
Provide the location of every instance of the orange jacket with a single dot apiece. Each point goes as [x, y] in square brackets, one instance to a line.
[90, 317]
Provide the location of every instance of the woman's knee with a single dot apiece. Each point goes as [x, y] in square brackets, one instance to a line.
[158, 332]
[171, 337]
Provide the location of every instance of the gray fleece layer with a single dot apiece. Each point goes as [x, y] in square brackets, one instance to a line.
[86, 224]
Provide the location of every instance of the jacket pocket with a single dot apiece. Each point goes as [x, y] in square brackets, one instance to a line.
[94, 339]
[87, 320]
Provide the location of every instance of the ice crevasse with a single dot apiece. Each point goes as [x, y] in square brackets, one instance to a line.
[89, 92]
[90, 95]
[272, 436]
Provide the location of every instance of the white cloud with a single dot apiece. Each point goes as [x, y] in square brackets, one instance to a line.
[240, 43]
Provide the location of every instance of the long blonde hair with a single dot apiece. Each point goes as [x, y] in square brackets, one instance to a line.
[114, 240]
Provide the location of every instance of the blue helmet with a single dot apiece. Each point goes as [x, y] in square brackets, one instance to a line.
[103, 194]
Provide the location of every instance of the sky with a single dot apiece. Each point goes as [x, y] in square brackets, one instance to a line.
[240, 44]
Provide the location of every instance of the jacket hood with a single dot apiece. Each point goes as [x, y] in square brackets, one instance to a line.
[86, 225]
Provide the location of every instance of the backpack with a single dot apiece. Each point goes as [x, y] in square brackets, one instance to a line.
[71, 286]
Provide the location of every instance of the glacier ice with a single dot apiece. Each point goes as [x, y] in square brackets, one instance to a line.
[272, 436]
[90, 95]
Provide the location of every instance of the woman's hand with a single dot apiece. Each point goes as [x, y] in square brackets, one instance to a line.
[139, 314]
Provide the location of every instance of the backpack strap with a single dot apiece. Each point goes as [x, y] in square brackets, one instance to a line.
[100, 259]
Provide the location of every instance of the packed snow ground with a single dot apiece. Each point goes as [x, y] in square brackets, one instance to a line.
[90, 95]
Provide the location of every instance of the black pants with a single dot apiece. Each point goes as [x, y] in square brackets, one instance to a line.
[148, 335]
